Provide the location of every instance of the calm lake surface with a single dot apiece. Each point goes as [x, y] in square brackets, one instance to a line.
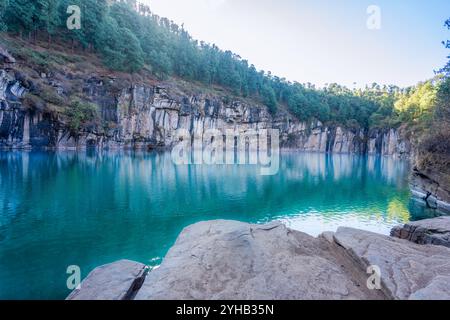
[88, 209]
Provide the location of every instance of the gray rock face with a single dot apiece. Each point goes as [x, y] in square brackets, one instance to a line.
[146, 116]
[5, 56]
[233, 260]
[390, 142]
[408, 270]
[116, 281]
[431, 231]
[430, 188]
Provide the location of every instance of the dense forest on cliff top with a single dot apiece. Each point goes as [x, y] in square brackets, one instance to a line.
[129, 38]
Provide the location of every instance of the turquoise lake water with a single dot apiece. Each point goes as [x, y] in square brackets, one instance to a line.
[88, 209]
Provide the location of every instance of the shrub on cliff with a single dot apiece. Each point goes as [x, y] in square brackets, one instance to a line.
[80, 114]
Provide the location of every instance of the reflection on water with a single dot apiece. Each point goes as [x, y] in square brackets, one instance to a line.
[87, 209]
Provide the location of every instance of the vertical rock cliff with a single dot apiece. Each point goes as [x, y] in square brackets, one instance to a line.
[147, 116]
[430, 180]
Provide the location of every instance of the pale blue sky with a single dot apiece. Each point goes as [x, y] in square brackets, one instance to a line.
[322, 41]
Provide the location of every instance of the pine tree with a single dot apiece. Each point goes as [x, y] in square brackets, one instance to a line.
[120, 47]
[46, 17]
[127, 37]
[94, 12]
[269, 99]
[3, 5]
[19, 16]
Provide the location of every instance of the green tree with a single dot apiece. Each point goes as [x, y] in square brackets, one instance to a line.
[19, 16]
[46, 17]
[127, 40]
[269, 99]
[442, 111]
[120, 48]
[93, 15]
[131, 50]
[446, 69]
[299, 106]
[3, 5]
[418, 104]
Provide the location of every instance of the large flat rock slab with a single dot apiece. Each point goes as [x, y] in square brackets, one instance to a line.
[430, 231]
[232, 260]
[408, 270]
[116, 281]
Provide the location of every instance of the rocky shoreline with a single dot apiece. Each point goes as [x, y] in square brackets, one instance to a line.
[228, 260]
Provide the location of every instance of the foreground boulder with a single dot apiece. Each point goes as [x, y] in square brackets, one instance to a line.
[116, 281]
[233, 260]
[227, 260]
[408, 270]
[431, 231]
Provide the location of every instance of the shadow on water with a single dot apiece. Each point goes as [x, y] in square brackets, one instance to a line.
[91, 208]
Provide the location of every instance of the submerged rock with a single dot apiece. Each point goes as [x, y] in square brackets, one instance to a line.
[116, 281]
[408, 270]
[431, 231]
